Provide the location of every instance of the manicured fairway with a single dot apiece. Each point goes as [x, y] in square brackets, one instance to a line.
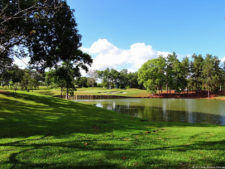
[97, 91]
[38, 131]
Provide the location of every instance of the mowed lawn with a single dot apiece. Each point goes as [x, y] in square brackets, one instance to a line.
[97, 91]
[39, 131]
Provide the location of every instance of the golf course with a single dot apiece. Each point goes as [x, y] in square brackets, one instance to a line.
[39, 131]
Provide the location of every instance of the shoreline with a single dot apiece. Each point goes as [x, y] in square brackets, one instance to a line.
[191, 95]
[165, 96]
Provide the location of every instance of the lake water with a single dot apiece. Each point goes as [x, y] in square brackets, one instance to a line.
[170, 110]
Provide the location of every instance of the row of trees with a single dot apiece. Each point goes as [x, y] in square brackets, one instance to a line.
[157, 74]
[46, 32]
[65, 77]
[112, 78]
[24, 79]
[171, 74]
[62, 77]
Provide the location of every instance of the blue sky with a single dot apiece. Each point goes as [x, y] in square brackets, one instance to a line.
[183, 26]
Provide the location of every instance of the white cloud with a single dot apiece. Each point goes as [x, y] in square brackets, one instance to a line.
[223, 60]
[163, 54]
[107, 55]
[21, 63]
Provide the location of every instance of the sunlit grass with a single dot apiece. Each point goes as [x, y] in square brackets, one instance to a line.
[97, 91]
[40, 131]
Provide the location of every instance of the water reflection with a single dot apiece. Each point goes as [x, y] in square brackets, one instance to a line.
[180, 110]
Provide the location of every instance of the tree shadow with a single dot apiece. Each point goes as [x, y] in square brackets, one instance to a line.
[28, 115]
[49, 116]
[32, 115]
[118, 152]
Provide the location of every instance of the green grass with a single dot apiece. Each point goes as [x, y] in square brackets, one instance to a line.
[40, 131]
[97, 91]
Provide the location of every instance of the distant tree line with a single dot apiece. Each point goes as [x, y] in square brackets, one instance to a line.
[24, 79]
[112, 78]
[156, 75]
[169, 73]
[46, 32]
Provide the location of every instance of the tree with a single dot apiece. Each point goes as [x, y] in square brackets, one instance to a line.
[123, 79]
[82, 82]
[169, 73]
[5, 64]
[49, 78]
[107, 78]
[43, 30]
[91, 82]
[222, 77]
[55, 78]
[112, 78]
[19, 22]
[211, 73]
[152, 74]
[196, 71]
[185, 72]
[12, 77]
[93, 74]
[178, 75]
[133, 80]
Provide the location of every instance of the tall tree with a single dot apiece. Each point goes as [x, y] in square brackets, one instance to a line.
[82, 82]
[196, 71]
[211, 73]
[65, 77]
[44, 30]
[171, 60]
[185, 72]
[152, 74]
[107, 78]
[12, 76]
[133, 80]
[123, 79]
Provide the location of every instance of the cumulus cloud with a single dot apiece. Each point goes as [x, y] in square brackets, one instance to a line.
[223, 60]
[107, 55]
[21, 63]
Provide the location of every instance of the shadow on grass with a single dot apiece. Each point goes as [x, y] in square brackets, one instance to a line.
[114, 152]
[49, 93]
[44, 115]
[30, 115]
[49, 116]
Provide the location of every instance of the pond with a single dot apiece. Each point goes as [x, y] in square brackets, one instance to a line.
[169, 110]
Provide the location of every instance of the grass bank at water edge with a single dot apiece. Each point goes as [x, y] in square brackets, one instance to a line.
[40, 131]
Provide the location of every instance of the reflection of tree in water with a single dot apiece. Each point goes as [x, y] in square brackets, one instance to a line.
[170, 110]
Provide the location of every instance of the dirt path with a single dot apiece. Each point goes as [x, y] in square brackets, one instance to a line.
[3, 92]
[216, 98]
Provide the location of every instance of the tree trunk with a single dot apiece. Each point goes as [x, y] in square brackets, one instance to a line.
[167, 88]
[61, 92]
[208, 93]
[67, 93]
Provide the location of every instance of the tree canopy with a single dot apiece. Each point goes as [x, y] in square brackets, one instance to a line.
[43, 30]
[171, 74]
[152, 75]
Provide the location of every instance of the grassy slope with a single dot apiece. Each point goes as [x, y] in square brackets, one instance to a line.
[43, 132]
